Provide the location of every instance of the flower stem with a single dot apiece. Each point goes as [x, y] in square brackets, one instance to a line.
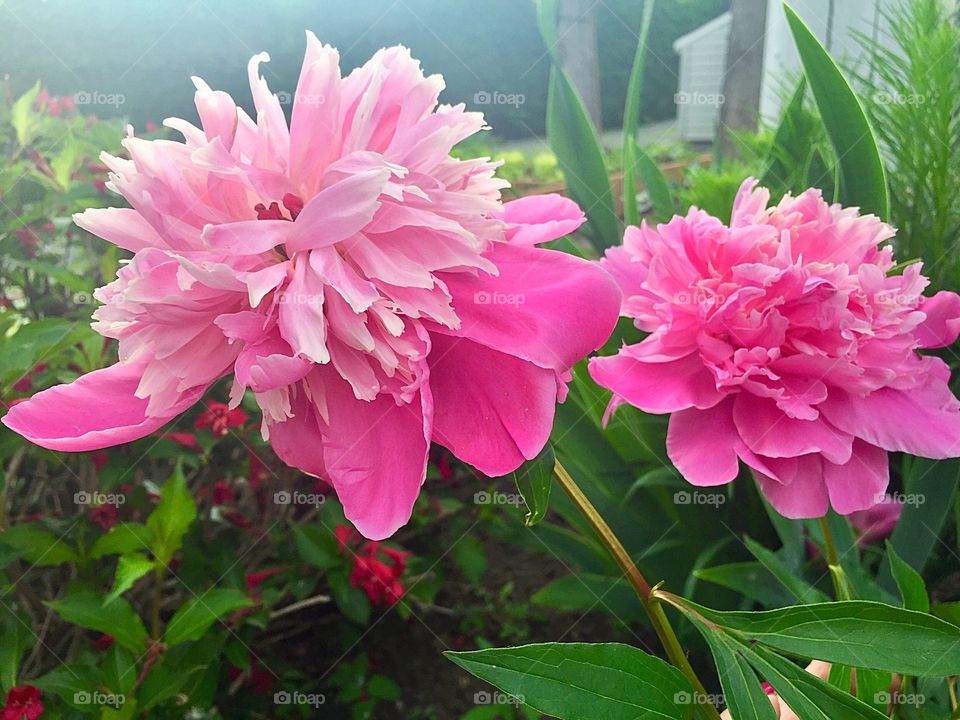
[831, 549]
[653, 608]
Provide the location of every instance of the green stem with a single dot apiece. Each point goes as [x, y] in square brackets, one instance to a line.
[831, 549]
[652, 607]
[155, 605]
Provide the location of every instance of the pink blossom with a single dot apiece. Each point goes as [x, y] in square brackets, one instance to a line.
[370, 290]
[786, 342]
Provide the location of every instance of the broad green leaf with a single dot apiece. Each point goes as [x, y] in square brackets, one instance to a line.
[653, 180]
[534, 480]
[66, 160]
[198, 614]
[37, 546]
[873, 687]
[316, 545]
[631, 117]
[30, 343]
[744, 695]
[350, 600]
[912, 588]
[948, 611]
[583, 681]
[808, 696]
[119, 670]
[130, 568]
[71, 682]
[863, 182]
[803, 591]
[858, 633]
[16, 638]
[585, 592]
[171, 518]
[22, 115]
[790, 143]
[118, 619]
[122, 539]
[574, 142]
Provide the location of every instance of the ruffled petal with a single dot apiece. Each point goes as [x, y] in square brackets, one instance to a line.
[538, 219]
[942, 325]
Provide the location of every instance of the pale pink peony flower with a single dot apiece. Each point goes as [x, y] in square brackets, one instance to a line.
[784, 341]
[368, 288]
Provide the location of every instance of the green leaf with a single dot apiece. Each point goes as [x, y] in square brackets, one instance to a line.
[122, 539]
[803, 591]
[534, 480]
[316, 545]
[118, 619]
[198, 614]
[119, 670]
[583, 681]
[743, 692]
[631, 116]
[863, 182]
[71, 682]
[470, 558]
[912, 588]
[66, 160]
[858, 633]
[585, 592]
[808, 696]
[16, 638]
[22, 114]
[750, 579]
[653, 180]
[130, 568]
[575, 143]
[171, 518]
[350, 600]
[37, 546]
[31, 342]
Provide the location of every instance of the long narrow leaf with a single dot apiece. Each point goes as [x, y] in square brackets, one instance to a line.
[863, 182]
[631, 116]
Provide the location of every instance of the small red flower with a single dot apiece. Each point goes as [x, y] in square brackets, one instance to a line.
[104, 642]
[223, 493]
[219, 418]
[376, 568]
[105, 516]
[23, 703]
[187, 440]
[99, 458]
[255, 579]
[151, 126]
[258, 471]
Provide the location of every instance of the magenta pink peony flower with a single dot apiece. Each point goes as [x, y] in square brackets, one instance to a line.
[368, 288]
[784, 341]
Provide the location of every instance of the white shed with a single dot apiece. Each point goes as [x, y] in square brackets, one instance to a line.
[703, 51]
[703, 57]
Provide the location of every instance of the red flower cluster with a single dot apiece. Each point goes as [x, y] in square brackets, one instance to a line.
[377, 568]
[106, 516]
[22, 703]
[54, 105]
[219, 418]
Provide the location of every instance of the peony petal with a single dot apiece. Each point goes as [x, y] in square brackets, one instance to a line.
[702, 444]
[768, 431]
[942, 325]
[657, 387]
[376, 456]
[95, 411]
[491, 410]
[123, 227]
[546, 307]
[922, 421]
[538, 219]
[860, 483]
[299, 441]
[804, 497]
